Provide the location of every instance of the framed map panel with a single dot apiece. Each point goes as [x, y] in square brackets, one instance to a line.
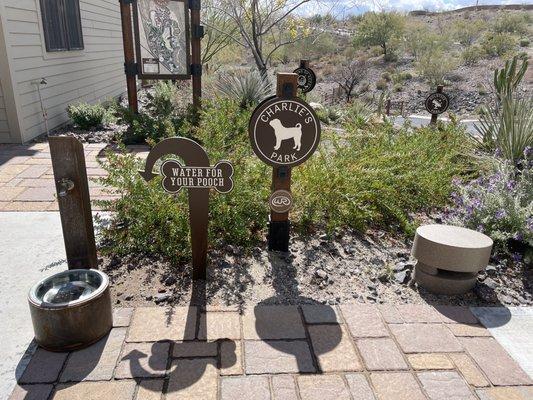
[162, 39]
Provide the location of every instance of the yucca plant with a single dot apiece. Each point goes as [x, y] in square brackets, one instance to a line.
[508, 125]
[508, 128]
[245, 87]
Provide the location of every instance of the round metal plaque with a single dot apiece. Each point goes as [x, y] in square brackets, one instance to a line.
[437, 103]
[284, 132]
[306, 79]
[280, 201]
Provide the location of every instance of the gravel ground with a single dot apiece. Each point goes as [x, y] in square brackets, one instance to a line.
[347, 267]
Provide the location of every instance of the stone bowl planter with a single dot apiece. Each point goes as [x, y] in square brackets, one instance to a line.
[71, 310]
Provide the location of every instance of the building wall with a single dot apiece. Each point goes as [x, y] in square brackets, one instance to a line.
[93, 74]
[4, 124]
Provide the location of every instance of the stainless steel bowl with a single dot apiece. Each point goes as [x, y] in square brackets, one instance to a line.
[71, 309]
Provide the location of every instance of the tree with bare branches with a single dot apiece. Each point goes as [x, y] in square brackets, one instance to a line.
[264, 26]
[219, 29]
[350, 75]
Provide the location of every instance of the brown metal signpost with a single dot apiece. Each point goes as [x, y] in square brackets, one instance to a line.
[70, 174]
[284, 132]
[437, 103]
[166, 45]
[199, 178]
[129, 56]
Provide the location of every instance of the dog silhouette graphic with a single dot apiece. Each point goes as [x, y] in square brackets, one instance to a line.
[283, 133]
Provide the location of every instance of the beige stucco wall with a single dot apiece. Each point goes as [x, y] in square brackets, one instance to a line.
[93, 74]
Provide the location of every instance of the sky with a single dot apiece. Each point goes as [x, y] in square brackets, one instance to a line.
[348, 7]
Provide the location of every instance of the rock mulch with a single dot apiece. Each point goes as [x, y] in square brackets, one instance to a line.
[342, 268]
[282, 352]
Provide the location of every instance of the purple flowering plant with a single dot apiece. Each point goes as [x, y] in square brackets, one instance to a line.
[498, 203]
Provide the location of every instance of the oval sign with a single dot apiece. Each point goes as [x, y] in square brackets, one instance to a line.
[280, 201]
[437, 103]
[306, 79]
[284, 132]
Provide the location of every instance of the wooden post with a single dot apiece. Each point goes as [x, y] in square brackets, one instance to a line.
[130, 67]
[435, 116]
[196, 56]
[304, 63]
[279, 226]
[387, 107]
[70, 174]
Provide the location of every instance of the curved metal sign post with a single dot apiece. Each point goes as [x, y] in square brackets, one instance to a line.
[198, 177]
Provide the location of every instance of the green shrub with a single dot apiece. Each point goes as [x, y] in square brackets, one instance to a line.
[381, 84]
[247, 88]
[498, 44]
[386, 76]
[375, 175]
[420, 40]
[87, 116]
[149, 221]
[357, 113]
[472, 54]
[380, 29]
[371, 176]
[466, 31]
[398, 87]
[524, 42]
[512, 23]
[162, 116]
[435, 66]
[328, 115]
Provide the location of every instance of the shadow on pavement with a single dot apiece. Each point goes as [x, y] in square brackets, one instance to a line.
[270, 326]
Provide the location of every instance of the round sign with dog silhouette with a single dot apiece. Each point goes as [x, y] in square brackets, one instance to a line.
[284, 131]
[437, 103]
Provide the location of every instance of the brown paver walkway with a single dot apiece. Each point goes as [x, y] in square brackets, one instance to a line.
[27, 180]
[352, 352]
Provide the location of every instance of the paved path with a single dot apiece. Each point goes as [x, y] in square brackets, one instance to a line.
[513, 328]
[32, 247]
[420, 120]
[315, 352]
[27, 180]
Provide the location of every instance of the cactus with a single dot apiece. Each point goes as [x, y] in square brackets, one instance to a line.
[509, 77]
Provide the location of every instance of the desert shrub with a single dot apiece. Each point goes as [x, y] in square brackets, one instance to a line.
[87, 116]
[357, 113]
[328, 115]
[149, 221]
[472, 54]
[467, 31]
[524, 42]
[161, 117]
[434, 67]
[420, 40]
[499, 204]
[381, 84]
[511, 23]
[380, 29]
[398, 87]
[498, 44]
[371, 176]
[374, 175]
[386, 76]
[247, 87]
